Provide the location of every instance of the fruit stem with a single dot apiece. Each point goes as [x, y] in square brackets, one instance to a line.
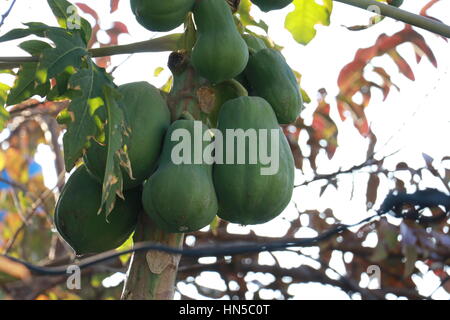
[186, 115]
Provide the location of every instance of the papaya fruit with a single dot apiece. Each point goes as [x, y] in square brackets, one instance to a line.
[247, 195]
[158, 15]
[395, 3]
[78, 223]
[254, 43]
[179, 197]
[269, 5]
[220, 53]
[148, 118]
[272, 79]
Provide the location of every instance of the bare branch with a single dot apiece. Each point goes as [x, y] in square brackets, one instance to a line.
[6, 14]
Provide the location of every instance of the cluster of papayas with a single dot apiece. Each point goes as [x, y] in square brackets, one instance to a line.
[177, 175]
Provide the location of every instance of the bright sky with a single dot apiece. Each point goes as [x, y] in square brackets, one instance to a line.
[414, 121]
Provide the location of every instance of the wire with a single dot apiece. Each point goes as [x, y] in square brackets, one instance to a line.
[207, 251]
[392, 204]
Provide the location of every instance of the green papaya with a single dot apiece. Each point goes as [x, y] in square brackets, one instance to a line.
[272, 79]
[395, 3]
[77, 221]
[254, 43]
[161, 15]
[148, 118]
[219, 53]
[246, 193]
[269, 5]
[179, 196]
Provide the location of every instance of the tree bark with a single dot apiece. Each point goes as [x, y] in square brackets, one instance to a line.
[152, 274]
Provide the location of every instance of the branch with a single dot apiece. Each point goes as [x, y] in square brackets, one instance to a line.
[166, 43]
[302, 274]
[401, 15]
[54, 130]
[229, 249]
[14, 185]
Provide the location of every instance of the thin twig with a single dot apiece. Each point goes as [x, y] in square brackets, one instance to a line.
[44, 196]
[6, 14]
[333, 175]
[14, 185]
[53, 128]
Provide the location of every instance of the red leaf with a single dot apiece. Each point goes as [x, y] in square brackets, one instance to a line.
[114, 5]
[87, 9]
[118, 29]
[324, 127]
[352, 78]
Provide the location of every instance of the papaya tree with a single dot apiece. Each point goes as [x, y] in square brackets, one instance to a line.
[149, 181]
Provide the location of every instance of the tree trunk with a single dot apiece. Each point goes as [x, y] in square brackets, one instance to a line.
[152, 274]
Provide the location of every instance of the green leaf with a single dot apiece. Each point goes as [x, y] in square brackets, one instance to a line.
[69, 51]
[89, 82]
[307, 13]
[246, 18]
[34, 47]
[25, 86]
[34, 28]
[61, 90]
[68, 18]
[4, 115]
[113, 180]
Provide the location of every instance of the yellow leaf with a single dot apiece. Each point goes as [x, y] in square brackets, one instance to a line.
[14, 269]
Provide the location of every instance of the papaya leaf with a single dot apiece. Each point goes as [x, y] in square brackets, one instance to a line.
[60, 89]
[69, 51]
[34, 47]
[113, 180]
[246, 18]
[4, 115]
[307, 14]
[89, 83]
[25, 85]
[34, 28]
[68, 18]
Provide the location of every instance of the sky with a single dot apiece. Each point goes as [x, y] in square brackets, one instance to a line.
[413, 121]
